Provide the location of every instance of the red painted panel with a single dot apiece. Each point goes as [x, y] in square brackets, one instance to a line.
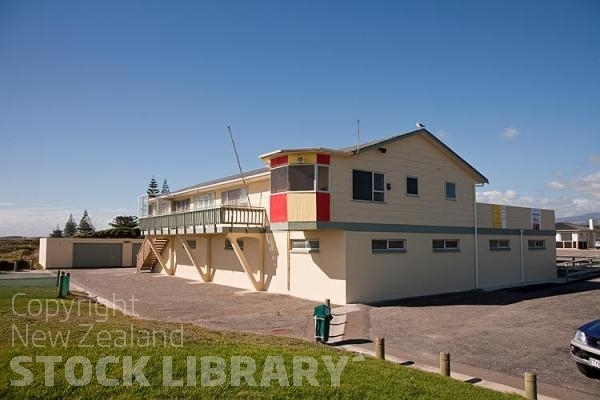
[278, 207]
[323, 159]
[277, 161]
[323, 206]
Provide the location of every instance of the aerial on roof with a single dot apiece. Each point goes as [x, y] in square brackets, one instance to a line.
[345, 151]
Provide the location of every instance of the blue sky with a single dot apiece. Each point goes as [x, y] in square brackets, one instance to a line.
[98, 97]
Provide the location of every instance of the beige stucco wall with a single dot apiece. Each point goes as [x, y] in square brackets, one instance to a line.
[322, 275]
[314, 276]
[499, 268]
[417, 272]
[413, 156]
[58, 252]
[227, 268]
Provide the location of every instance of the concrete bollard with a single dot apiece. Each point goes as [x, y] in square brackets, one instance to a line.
[530, 386]
[445, 364]
[380, 348]
[15, 266]
[30, 264]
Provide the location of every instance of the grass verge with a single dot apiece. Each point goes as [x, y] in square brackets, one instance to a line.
[92, 332]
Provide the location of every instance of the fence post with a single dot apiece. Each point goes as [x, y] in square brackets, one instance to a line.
[530, 386]
[380, 348]
[445, 364]
[15, 266]
[58, 278]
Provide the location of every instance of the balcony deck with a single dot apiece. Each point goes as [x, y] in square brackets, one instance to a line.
[211, 220]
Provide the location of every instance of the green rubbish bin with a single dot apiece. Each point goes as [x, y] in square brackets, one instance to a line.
[322, 315]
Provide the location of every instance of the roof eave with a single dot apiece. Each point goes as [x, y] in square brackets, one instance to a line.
[272, 154]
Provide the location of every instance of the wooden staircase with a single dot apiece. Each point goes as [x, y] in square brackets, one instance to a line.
[146, 257]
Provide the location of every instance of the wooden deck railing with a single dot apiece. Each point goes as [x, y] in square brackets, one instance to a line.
[224, 215]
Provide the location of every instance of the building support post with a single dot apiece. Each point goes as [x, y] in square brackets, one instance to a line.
[257, 282]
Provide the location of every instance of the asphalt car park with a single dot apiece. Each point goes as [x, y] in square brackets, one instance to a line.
[507, 331]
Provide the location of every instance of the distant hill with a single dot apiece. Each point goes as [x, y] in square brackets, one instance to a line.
[581, 219]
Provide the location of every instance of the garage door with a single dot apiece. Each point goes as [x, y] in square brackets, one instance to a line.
[135, 247]
[97, 254]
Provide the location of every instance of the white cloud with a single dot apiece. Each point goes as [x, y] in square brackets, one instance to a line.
[593, 159]
[556, 185]
[510, 133]
[589, 184]
[41, 220]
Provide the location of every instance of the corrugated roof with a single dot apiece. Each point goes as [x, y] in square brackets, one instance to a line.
[567, 226]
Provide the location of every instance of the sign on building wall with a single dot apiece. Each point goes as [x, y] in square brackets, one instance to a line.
[498, 216]
[536, 219]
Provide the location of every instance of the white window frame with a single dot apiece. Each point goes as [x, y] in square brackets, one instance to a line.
[535, 244]
[315, 180]
[496, 244]
[389, 249]
[373, 191]
[204, 201]
[243, 199]
[406, 188]
[305, 245]
[446, 248]
[446, 191]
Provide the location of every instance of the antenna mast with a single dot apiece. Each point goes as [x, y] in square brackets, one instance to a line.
[237, 157]
[357, 135]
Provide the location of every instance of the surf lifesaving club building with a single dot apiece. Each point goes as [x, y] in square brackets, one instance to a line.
[389, 219]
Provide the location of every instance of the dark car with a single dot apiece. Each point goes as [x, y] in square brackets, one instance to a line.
[585, 348]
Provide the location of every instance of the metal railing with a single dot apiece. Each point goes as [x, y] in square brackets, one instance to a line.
[223, 215]
[573, 267]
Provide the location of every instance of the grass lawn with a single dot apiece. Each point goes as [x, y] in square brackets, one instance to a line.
[124, 338]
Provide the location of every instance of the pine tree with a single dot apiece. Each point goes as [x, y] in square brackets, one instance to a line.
[165, 188]
[152, 188]
[70, 227]
[125, 226]
[85, 227]
[57, 233]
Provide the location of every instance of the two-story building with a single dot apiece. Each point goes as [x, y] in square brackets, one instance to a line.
[389, 219]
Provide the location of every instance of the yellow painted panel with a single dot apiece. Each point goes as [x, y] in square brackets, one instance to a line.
[302, 207]
[302, 158]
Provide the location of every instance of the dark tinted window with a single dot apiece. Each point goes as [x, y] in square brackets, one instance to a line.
[412, 185]
[362, 185]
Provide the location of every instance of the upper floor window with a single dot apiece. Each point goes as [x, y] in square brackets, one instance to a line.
[204, 201]
[181, 205]
[450, 191]
[234, 197]
[296, 178]
[412, 185]
[368, 186]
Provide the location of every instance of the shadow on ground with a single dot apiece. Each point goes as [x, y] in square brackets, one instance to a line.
[498, 297]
